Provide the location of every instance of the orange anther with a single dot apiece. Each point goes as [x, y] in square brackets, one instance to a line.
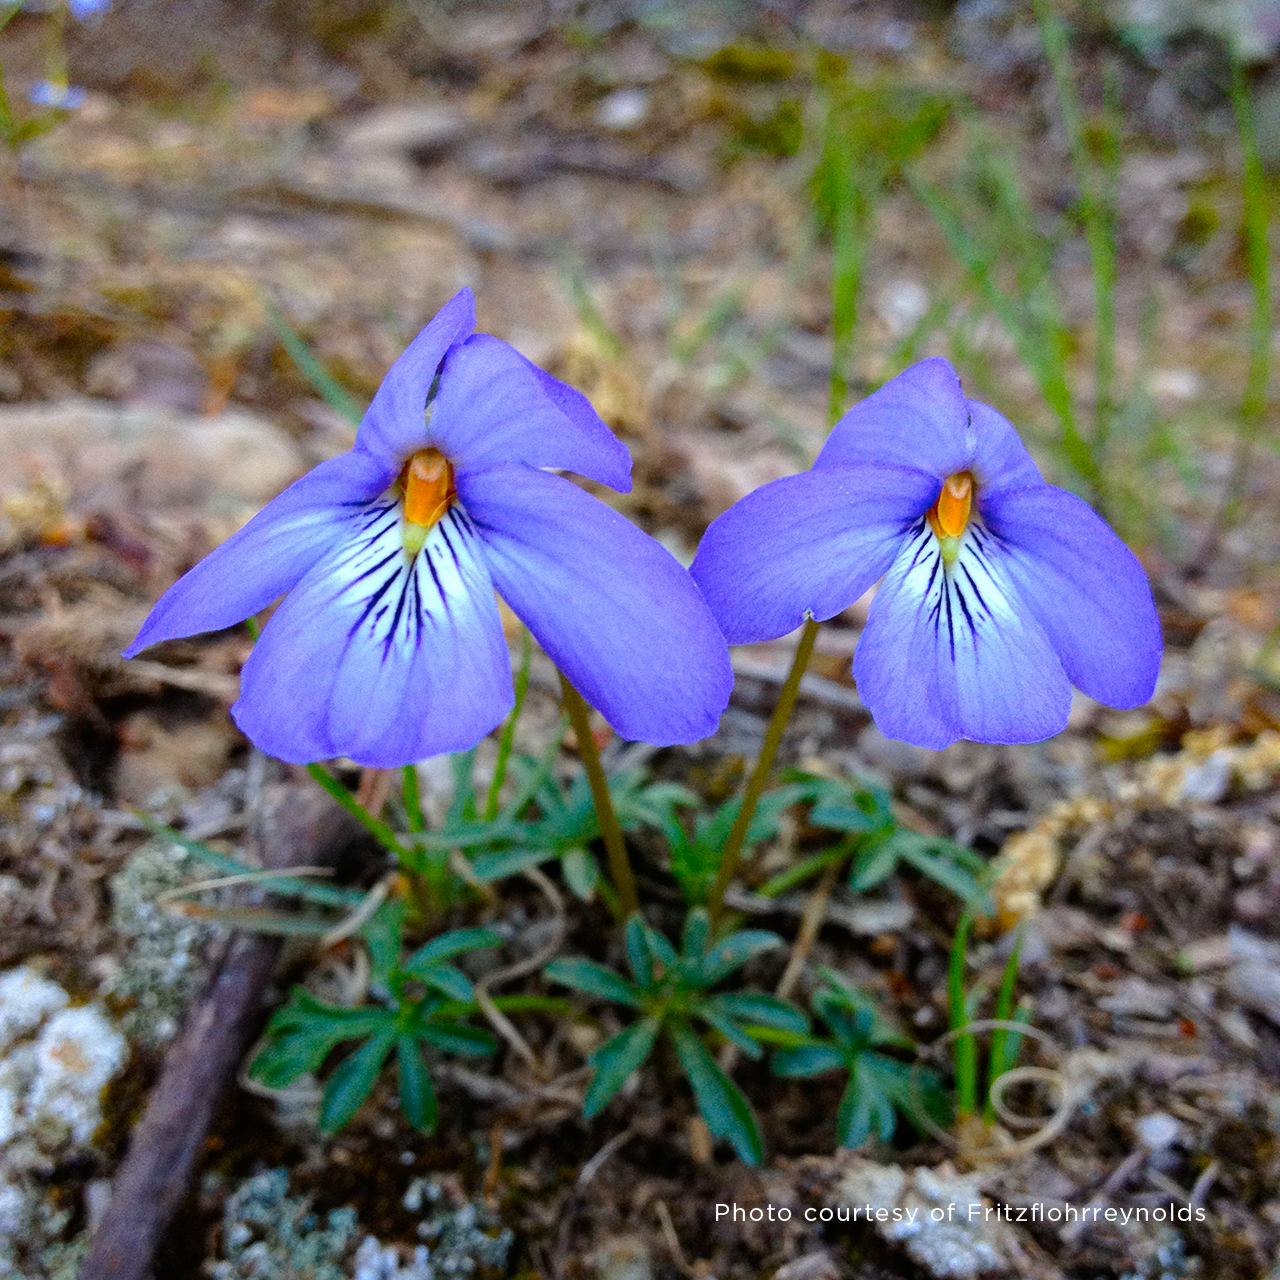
[950, 514]
[428, 487]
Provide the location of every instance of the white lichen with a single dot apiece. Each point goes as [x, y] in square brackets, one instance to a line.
[26, 1000]
[76, 1054]
[271, 1235]
[162, 968]
[56, 1062]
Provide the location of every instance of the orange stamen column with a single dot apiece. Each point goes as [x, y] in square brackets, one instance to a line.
[427, 491]
[949, 516]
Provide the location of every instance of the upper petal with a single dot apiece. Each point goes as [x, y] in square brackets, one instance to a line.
[1001, 460]
[811, 543]
[495, 406]
[1084, 587]
[920, 419]
[394, 425]
[379, 658]
[948, 652]
[265, 558]
[611, 607]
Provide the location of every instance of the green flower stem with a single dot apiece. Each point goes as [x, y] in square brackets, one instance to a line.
[1253, 407]
[732, 853]
[378, 829]
[964, 1052]
[619, 865]
[509, 729]
[412, 799]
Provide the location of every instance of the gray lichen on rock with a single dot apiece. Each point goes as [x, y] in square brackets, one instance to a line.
[162, 968]
[269, 1234]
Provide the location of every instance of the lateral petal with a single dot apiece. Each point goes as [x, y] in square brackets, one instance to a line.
[920, 419]
[947, 652]
[611, 607]
[1084, 587]
[810, 543]
[394, 425]
[270, 554]
[495, 406]
[378, 658]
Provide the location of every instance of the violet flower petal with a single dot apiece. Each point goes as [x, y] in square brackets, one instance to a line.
[1001, 460]
[1084, 587]
[494, 406]
[950, 652]
[270, 554]
[610, 606]
[378, 657]
[394, 425]
[918, 419]
[811, 543]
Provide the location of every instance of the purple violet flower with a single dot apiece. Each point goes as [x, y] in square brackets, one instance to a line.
[53, 93]
[388, 647]
[1000, 591]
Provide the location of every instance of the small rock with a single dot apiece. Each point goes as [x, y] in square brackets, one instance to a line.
[1134, 997]
[112, 457]
[1206, 953]
[1207, 782]
[1254, 978]
[423, 130]
[622, 109]
[938, 1216]
[26, 1000]
[158, 373]
[1157, 1131]
[76, 1054]
[813, 1266]
[625, 1258]
[902, 304]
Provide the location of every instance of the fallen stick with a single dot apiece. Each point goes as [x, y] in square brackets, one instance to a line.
[300, 827]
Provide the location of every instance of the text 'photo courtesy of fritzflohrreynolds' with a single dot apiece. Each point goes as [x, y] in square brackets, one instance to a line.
[639, 639]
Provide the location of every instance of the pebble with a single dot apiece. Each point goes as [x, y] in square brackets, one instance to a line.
[964, 1243]
[26, 1000]
[1157, 1131]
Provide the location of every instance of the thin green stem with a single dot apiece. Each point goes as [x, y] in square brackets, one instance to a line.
[1001, 1056]
[731, 854]
[509, 729]
[310, 368]
[412, 798]
[620, 866]
[964, 1052]
[378, 829]
[1253, 406]
[1096, 212]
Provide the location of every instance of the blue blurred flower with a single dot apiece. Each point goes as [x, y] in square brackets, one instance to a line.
[1000, 591]
[84, 9]
[388, 647]
[50, 93]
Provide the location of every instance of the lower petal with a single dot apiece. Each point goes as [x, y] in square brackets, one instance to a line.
[379, 658]
[948, 652]
[1085, 588]
[610, 606]
[809, 544]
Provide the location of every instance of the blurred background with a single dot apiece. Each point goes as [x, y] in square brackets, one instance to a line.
[221, 220]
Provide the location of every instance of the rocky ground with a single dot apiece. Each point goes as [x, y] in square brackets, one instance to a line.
[625, 188]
